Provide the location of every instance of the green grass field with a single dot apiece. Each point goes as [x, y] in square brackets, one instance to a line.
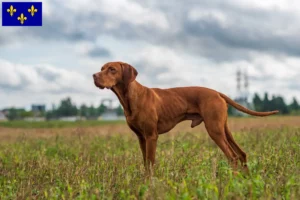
[57, 124]
[104, 162]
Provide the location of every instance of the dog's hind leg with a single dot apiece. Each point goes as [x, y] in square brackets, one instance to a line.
[218, 135]
[215, 114]
[236, 148]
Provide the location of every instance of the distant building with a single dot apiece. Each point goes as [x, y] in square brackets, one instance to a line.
[5, 111]
[110, 114]
[38, 108]
[34, 119]
[13, 113]
[71, 118]
[2, 116]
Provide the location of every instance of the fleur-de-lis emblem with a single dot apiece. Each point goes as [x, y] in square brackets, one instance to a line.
[32, 10]
[11, 10]
[22, 18]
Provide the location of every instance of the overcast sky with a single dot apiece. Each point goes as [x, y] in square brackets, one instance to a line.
[187, 43]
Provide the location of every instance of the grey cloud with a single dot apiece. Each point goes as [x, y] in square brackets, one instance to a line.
[47, 74]
[99, 52]
[249, 38]
[152, 74]
[2, 40]
[8, 87]
[77, 27]
[261, 78]
[55, 29]
[147, 68]
[250, 29]
[294, 86]
[44, 79]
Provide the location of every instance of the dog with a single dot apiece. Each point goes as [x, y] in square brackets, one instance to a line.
[150, 112]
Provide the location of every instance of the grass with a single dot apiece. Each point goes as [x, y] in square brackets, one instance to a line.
[105, 163]
[57, 124]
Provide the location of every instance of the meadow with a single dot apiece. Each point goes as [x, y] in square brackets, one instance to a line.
[102, 160]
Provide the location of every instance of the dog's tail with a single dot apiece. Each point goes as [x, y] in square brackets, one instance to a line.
[245, 110]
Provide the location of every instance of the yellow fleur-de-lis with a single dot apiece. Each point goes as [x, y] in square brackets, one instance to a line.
[32, 10]
[11, 10]
[22, 18]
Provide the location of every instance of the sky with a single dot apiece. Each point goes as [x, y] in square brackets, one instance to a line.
[170, 43]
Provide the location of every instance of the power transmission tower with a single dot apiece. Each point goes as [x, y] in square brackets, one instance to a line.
[242, 90]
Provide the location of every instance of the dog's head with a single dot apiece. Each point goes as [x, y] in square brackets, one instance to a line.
[114, 73]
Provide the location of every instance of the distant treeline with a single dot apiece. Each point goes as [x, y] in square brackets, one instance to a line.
[67, 108]
[274, 103]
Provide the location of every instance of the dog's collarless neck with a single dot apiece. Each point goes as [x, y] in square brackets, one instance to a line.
[128, 95]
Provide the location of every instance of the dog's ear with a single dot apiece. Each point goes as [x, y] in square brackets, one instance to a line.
[129, 73]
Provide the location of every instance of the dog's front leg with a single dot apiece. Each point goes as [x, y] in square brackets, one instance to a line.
[142, 142]
[151, 142]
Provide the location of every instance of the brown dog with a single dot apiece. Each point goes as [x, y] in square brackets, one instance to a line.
[153, 111]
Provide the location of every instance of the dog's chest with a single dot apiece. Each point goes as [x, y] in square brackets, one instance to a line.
[141, 123]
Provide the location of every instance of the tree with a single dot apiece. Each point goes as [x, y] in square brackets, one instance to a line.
[294, 106]
[15, 113]
[92, 111]
[26, 114]
[258, 104]
[119, 110]
[52, 114]
[12, 114]
[277, 103]
[101, 109]
[66, 108]
[83, 111]
[265, 103]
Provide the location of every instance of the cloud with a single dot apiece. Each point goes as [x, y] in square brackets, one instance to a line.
[170, 44]
[163, 67]
[44, 79]
[218, 30]
[120, 11]
[24, 84]
[99, 52]
[85, 19]
[230, 30]
[160, 66]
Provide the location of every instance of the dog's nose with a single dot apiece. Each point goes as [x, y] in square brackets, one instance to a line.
[94, 75]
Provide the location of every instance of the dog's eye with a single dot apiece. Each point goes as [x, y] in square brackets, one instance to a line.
[112, 69]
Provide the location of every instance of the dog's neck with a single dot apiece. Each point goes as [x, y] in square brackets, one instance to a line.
[129, 96]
